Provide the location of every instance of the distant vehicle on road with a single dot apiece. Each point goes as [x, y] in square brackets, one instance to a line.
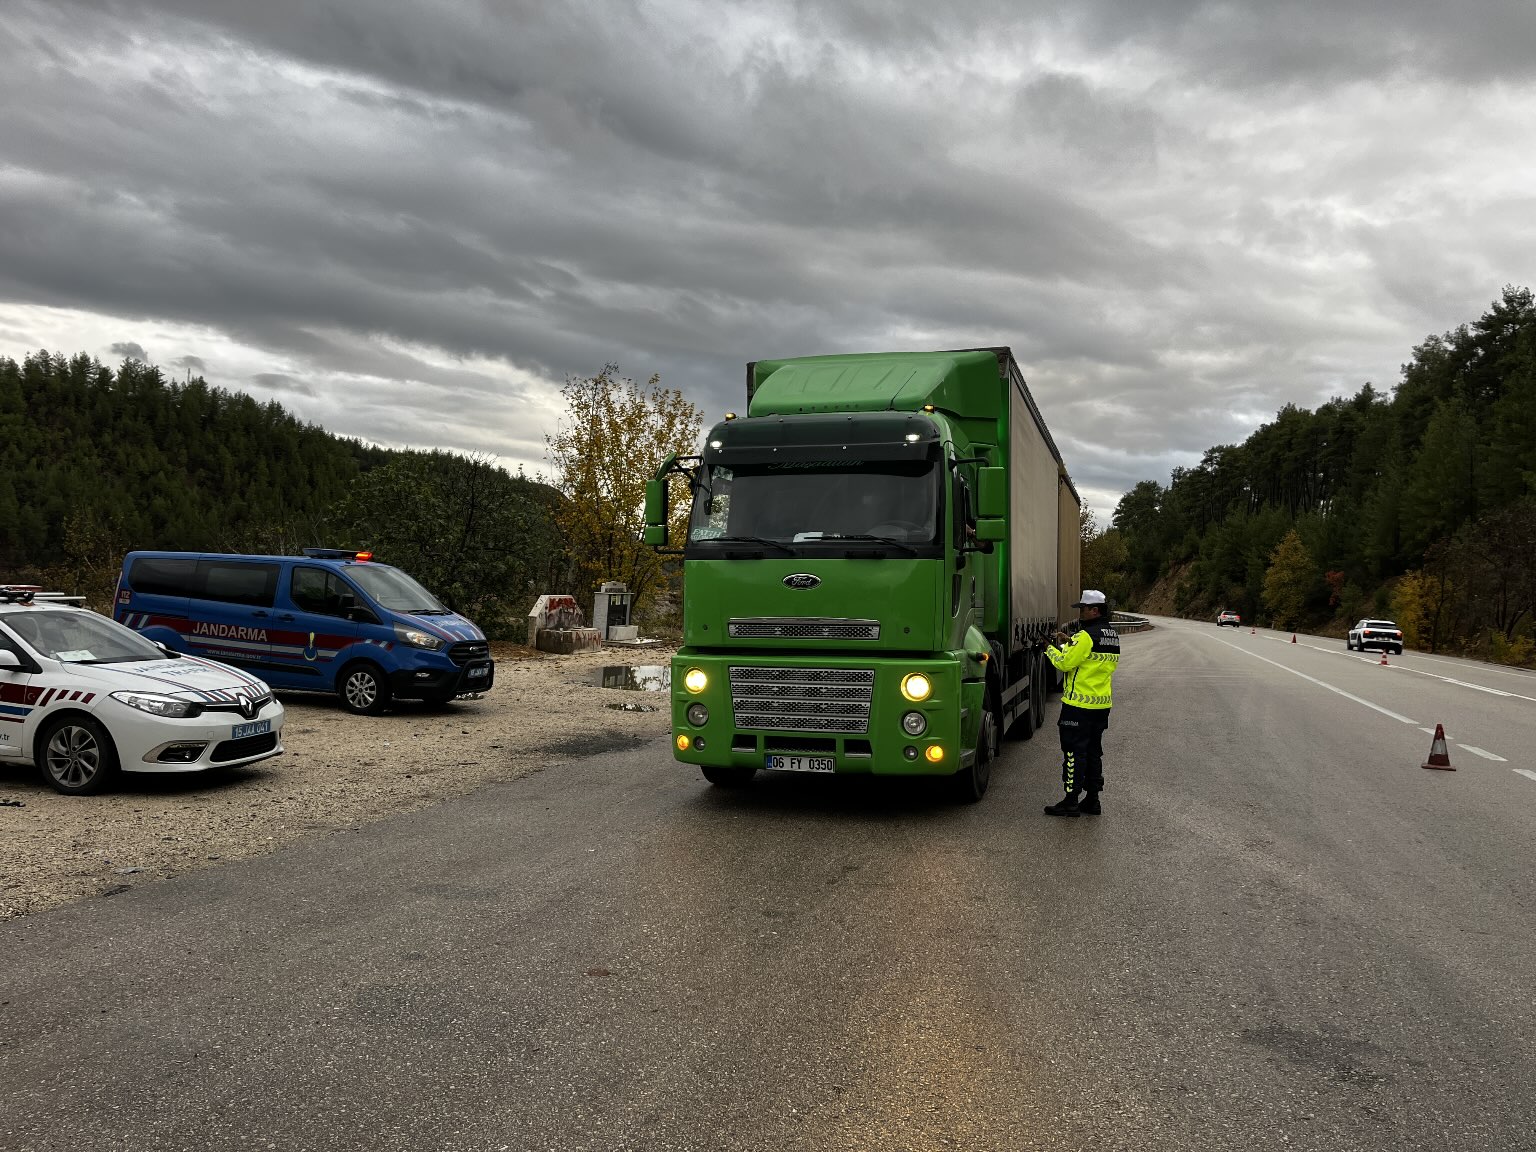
[1381, 634]
[1226, 618]
[82, 697]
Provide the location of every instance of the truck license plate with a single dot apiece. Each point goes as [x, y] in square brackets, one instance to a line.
[800, 763]
[240, 731]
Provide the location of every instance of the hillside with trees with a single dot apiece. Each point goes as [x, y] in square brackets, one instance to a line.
[1419, 505]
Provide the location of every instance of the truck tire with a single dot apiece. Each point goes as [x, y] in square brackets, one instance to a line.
[970, 784]
[728, 777]
[1037, 685]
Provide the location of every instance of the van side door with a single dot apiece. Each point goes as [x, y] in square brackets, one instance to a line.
[314, 628]
[230, 612]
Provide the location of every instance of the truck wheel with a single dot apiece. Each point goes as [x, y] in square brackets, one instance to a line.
[363, 689]
[728, 777]
[1037, 690]
[970, 784]
[77, 756]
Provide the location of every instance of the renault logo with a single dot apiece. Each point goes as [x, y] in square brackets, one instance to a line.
[801, 580]
[247, 708]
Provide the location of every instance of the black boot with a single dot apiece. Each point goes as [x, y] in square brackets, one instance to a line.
[1066, 806]
[1089, 805]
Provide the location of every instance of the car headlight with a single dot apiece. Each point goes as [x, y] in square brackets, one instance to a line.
[417, 638]
[916, 687]
[158, 705]
[695, 680]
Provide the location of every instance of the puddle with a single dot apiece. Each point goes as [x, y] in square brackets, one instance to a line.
[638, 677]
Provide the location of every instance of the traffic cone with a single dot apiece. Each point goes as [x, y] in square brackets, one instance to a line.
[1439, 757]
[1293, 637]
[1384, 657]
[1253, 631]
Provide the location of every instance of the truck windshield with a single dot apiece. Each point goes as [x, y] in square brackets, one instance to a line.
[794, 503]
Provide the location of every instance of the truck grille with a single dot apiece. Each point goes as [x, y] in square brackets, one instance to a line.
[462, 654]
[802, 699]
[803, 628]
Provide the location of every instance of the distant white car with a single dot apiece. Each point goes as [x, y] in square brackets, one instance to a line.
[1226, 618]
[82, 697]
[1381, 634]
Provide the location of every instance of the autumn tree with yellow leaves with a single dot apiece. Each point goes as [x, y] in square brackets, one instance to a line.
[615, 435]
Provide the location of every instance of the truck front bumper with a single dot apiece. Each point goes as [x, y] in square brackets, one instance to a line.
[812, 713]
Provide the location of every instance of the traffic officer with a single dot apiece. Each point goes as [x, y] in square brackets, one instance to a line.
[1087, 658]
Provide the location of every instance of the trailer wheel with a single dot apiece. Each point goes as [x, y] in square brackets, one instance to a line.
[1037, 690]
[970, 784]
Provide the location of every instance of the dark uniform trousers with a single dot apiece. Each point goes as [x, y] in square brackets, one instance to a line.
[1082, 749]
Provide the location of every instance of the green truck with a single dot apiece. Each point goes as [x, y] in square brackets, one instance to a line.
[874, 558]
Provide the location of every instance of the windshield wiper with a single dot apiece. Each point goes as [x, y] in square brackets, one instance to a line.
[876, 539]
[788, 551]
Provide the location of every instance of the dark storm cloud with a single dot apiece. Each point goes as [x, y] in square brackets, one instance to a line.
[128, 350]
[1180, 214]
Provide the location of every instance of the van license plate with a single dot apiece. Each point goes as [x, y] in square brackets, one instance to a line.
[478, 673]
[241, 731]
[800, 763]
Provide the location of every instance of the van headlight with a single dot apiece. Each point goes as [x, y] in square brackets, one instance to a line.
[416, 638]
[158, 705]
[916, 687]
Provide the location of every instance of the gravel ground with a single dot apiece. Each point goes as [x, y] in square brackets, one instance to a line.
[338, 771]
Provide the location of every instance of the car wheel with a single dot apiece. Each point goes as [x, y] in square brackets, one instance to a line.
[1398, 651]
[728, 777]
[77, 756]
[970, 784]
[363, 689]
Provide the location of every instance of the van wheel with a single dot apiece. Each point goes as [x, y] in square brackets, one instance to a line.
[77, 756]
[363, 689]
[970, 784]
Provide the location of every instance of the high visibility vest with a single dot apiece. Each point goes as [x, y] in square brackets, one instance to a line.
[1087, 663]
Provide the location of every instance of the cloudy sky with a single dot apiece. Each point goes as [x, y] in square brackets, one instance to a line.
[410, 220]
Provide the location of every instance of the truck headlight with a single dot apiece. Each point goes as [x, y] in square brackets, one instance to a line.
[914, 723]
[417, 638]
[695, 680]
[698, 715]
[158, 705]
[916, 687]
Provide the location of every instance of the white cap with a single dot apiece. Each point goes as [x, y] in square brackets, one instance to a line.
[1091, 596]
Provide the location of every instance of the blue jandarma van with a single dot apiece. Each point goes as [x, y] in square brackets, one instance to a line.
[327, 621]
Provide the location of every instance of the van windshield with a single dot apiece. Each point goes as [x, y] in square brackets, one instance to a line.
[393, 589]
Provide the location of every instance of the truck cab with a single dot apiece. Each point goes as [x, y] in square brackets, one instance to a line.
[848, 596]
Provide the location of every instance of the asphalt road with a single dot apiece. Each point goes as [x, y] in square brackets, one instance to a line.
[1283, 933]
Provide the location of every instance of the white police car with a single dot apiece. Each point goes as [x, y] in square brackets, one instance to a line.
[82, 697]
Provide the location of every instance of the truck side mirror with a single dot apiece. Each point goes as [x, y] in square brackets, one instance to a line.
[656, 513]
[992, 493]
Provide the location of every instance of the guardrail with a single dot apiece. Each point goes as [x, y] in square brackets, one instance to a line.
[1125, 622]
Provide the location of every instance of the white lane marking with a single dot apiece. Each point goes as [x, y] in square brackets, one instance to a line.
[1525, 772]
[1321, 684]
[1473, 665]
[1479, 687]
[1483, 754]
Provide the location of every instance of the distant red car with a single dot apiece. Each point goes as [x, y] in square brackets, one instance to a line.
[1231, 618]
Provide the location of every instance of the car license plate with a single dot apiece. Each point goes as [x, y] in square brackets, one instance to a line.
[800, 763]
[240, 731]
[478, 673]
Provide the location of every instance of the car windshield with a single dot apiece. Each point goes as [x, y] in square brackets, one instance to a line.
[804, 502]
[394, 590]
[80, 637]
[1379, 624]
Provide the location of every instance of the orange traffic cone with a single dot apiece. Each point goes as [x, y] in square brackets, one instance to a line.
[1293, 637]
[1439, 757]
[1253, 631]
[1383, 656]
